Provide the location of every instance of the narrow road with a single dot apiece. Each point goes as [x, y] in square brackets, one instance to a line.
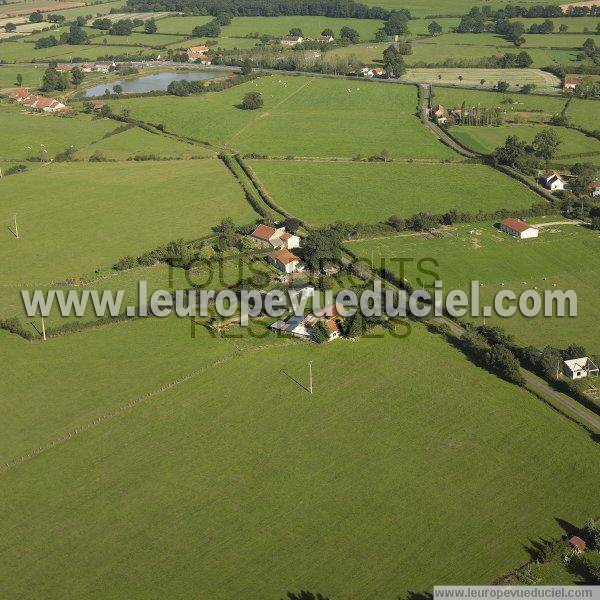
[586, 416]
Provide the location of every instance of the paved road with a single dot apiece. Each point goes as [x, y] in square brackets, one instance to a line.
[586, 416]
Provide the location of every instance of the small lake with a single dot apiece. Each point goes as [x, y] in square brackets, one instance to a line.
[148, 83]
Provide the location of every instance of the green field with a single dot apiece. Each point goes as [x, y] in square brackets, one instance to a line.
[542, 106]
[575, 25]
[259, 491]
[574, 147]
[32, 76]
[494, 259]
[77, 217]
[136, 141]
[472, 77]
[27, 134]
[302, 116]
[325, 192]
[135, 39]
[584, 113]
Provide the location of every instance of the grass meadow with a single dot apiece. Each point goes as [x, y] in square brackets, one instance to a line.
[302, 116]
[26, 132]
[75, 218]
[325, 192]
[472, 77]
[540, 106]
[574, 146]
[426, 8]
[260, 491]
[137, 141]
[584, 113]
[495, 259]
[32, 76]
[575, 25]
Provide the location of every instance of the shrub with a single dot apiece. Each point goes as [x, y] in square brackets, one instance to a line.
[127, 262]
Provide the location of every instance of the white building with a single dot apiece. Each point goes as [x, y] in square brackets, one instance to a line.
[518, 228]
[302, 326]
[595, 188]
[284, 260]
[292, 40]
[579, 368]
[553, 181]
[266, 236]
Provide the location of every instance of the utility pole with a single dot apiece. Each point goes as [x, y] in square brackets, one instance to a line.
[16, 226]
[310, 384]
[43, 327]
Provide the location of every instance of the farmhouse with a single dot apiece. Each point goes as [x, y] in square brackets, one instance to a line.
[302, 326]
[104, 67]
[571, 83]
[595, 188]
[325, 38]
[196, 52]
[577, 544]
[518, 228]
[579, 368]
[19, 94]
[439, 113]
[284, 260]
[98, 105]
[378, 72]
[265, 236]
[64, 68]
[292, 40]
[368, 73]
[49, 105]
[553, 181]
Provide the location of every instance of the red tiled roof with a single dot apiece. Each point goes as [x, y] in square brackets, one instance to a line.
[197, 49]
[332, 326]
[263, 232]
[516, 224]
[44, 102]
[284, 256]
[285, 236]
[578, 543]
[573, 80]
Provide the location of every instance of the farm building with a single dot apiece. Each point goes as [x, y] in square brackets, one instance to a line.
[265, 236]
[103, 67]
[595, 188]
[325, 38]
[292, 40]
[378, 72]
[64, 68]
[302, 326]
[518, 228]
[580, 368]
[284, 260]
[553, 181]
[196, 52]
[577, 544]
[368, 73]
[49, 105]
[439, 113]
[19, 94]
[571, 83]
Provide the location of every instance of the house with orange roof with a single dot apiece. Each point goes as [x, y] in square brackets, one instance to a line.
[195, 53]
[571, 82]
[518, 228]
[284, 260]
[264, 236]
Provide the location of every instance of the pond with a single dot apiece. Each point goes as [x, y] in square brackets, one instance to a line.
[148, 83]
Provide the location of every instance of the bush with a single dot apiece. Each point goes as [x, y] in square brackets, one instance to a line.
[127, 262]
[15, 169]
[252, 101]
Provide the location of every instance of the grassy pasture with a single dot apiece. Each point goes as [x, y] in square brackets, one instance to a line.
[426, 8]
[544, 106]
[584, 113]
[575, 24]
[135, 39]
[302, 116]
[32, 76]
[135, 141]
[311, 26]
[95, 10]
[471, 77]
[573, 143]
[92, 214]
[494, 258]
[326, 192]
[26, 132]
[222, 42]
[231, 479]
[555, 40]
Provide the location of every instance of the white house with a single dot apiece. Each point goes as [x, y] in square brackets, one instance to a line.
[284, 260]
[265, 236]
[571, 82]
[518, 228]
[579, 368]
[49, 105]
[595, 188]
[302, 326]
[292, 40]
[553, 181]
